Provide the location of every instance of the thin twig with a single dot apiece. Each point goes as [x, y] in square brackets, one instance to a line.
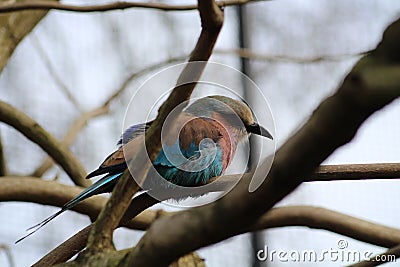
[356, 172]
[3, 165]
[44, 5]
[139, 73]
[57, 79]
[247, 53]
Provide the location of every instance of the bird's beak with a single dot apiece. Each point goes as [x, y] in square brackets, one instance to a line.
[259, 130]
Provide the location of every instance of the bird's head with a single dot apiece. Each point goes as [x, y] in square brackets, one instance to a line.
[234, 111]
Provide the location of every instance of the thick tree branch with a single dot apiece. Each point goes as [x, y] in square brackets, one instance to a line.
[334, 123]
[101, 235]
[44, 5]
[333, 221]
[31, 189]
[34, 132]
[190, 260]
[66, 250]
[14, 27]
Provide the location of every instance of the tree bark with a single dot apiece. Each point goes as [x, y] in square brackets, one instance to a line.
[15, 26]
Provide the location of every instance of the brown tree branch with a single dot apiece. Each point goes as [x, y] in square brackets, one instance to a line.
[190, 260]
[355, 172]
[3, 165]
[15, 188]
[66, 250]
[333, 221]
[14, 27]
[247, 53]
[31, 189]
[333, 124]
[101, 235]
[44, 5]
[34, 132]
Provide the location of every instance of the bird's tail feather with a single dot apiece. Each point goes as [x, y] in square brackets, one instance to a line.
[40, 225]
[96, 188]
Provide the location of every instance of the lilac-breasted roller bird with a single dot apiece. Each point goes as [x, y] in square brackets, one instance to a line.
[209, 132]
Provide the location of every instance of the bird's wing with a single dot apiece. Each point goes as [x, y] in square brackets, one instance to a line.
[133, 131]
[187, 147]
[194, 130]
[197, 129]
[128, 142]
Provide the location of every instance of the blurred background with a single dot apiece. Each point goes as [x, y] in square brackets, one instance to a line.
[301, 50]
